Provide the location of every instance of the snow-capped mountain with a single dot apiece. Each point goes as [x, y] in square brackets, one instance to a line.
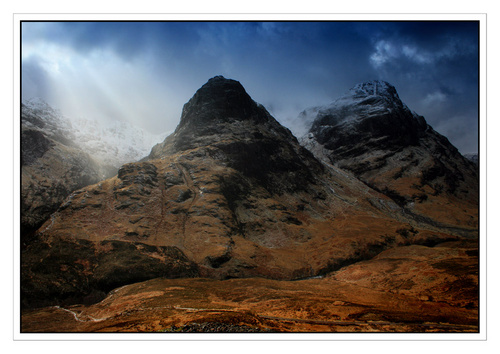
[113, 144]
[359, 111]
[60, 155]
[370, 132]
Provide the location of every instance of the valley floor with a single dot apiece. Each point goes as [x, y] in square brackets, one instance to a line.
[407, 289]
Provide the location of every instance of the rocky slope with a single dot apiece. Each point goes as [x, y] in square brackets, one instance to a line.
[52, 167]
[59, 156]
[231, 193]
[371, 133]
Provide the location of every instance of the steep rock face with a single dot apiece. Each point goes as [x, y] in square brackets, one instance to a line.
[372, 113]
[233, 193]
[372, 133]
[245, 136]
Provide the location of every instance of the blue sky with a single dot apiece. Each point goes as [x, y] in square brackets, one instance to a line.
[144, 72]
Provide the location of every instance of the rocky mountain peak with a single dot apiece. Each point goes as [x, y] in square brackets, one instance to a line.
[375, 87]
[220, 110]
[372, 133]
[222, 120]
[372, 109]
[218, 101]
[382, 97]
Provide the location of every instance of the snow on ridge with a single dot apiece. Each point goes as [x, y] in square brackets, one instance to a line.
[374, 87]
[382, 97]
[117, 143]
[37, 103]
[374, 98]
[113, 144]
[43, 110]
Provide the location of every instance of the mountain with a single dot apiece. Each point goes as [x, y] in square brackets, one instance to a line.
[111, 144]
[59, 156]
[52, 166]
[370, 132]
[473, 157]
[230, 194]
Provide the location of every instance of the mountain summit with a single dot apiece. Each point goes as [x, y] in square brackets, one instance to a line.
[220, 109]
[220, 98]
[243, 135]
[372, 133]
[370, 112]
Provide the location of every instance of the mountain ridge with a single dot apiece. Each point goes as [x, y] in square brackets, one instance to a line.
[372, 133]
[60, 155]
[112, 144]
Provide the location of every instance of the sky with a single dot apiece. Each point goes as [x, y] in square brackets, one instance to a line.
[144, 72]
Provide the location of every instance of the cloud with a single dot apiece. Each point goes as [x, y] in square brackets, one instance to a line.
[146, 71]
[422, 44]
[434, 98]
[460, 132]
[416, 55]
[35, 80]
[384, 52]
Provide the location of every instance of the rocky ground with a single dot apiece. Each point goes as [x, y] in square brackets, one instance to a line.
[397, 291]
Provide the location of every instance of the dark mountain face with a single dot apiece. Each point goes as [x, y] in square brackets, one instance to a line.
[372, 133]
[220, 108]
[371, 113]
[220, 100]
[230, 193]
[35, 145]
[243, 135]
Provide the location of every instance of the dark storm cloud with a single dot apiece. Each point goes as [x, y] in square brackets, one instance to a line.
[434, 66]
[85, 37]
[287, 66]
